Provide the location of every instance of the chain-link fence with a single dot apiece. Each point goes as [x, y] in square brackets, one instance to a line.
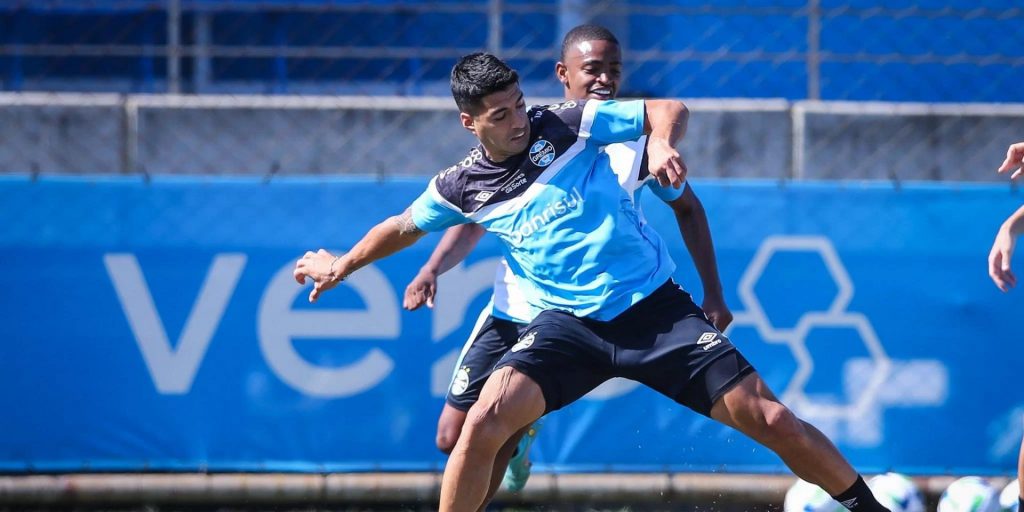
[939, 50]
[273, 86]
[387, 136]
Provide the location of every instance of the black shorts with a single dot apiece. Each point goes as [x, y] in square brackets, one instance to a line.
[490, 339]
[664, 342]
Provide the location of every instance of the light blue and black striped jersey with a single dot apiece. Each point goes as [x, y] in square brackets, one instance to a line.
[629, 163]
[570, 230]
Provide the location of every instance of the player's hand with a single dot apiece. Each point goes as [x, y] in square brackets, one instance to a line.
[1014, 160]
[420, 291]
[664, 162]
[317, 267]
[999, 260]
[717, 312]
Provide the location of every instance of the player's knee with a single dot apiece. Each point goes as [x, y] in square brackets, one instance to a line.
[779, 423]
[485, 426]
[446, 439]
[449, 428]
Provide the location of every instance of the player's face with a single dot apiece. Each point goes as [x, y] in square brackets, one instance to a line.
[501, 123]
[592, 69]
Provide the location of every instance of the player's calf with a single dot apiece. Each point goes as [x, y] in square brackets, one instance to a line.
[518, 471]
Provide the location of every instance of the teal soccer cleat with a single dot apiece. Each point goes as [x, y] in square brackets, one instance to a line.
[518, 471]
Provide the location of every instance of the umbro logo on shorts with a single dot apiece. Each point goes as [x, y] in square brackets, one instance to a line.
[709, 340]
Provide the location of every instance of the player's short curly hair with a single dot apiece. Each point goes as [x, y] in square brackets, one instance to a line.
[587, 32]
[476, 75]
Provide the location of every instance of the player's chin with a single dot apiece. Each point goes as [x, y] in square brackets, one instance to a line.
[518, 145]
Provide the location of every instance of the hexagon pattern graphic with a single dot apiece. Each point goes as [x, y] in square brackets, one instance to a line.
[853, 414]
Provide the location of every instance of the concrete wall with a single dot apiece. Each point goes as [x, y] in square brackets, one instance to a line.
[256, 140]
[744, 144]
[61, 139]
[918, 147]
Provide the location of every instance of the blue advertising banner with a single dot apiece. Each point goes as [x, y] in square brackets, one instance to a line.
[156, 326]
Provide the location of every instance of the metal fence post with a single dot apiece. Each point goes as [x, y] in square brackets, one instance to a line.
[129, 134]
[814, 49]
[570, 14]
[494, 26]
[201, 73]
[798, 115]
[173, 46]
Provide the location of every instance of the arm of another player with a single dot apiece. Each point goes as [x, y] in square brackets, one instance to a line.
[1002, 251]
[454, 246]
[1002, 248]
[665, 122]
[384, 239]
[693, 225]
[1014, 160]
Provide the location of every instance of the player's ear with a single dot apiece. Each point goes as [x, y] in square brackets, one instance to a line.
[562, 73]
[467, 122]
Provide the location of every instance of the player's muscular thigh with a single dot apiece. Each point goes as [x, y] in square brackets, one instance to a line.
[509, 401]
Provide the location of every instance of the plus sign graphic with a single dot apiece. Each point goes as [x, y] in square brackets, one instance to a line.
[854, 413]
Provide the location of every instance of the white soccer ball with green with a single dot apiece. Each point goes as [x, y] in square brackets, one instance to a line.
[807, 497]
[1008, 498]
[897, 493]
[969, 494]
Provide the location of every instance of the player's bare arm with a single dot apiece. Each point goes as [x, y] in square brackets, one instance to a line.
[693, 225]
[665, 122]
[1002, 251]
[1006, 239]
[455, 245]
[1014, 160]
[327, 270]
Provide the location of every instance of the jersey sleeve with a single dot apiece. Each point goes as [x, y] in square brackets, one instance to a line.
[608, 122]
[432, 212]
[667, 194]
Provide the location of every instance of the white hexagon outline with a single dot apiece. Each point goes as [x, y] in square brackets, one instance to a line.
[795, 395]
[746, 319]
[769, 246]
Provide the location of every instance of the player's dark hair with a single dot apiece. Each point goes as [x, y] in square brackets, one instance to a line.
[587, 32]
[476, 75]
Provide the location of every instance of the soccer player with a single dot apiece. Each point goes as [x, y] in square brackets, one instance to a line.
[999, 264]
[590, 68]
[600, 275]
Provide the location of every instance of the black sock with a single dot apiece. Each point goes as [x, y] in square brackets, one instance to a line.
[858, 497]
[1020, 503]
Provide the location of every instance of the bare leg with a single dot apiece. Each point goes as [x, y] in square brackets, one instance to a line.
[1020, 471]
[501, 464]
[509, 401]
[449, 427]
[751, 408]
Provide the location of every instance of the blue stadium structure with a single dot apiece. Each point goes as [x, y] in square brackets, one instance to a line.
[934, 50]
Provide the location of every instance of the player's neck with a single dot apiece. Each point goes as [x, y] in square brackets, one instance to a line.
[495, 157]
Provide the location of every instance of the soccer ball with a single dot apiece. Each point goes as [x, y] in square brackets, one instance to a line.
[1008, 498]
[969, 494]
[807, 497]
[897, 493]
